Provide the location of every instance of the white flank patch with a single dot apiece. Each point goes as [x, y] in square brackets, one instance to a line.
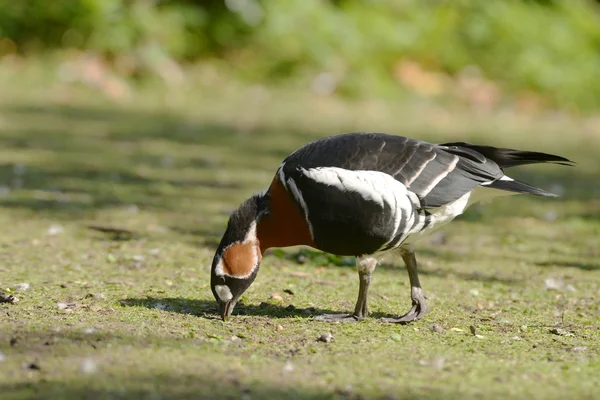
[298, 196]
[377, 187]
[437, 180]
[223, 292]
[446, 213]
[440, 217]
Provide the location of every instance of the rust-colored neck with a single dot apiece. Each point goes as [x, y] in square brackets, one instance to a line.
[284, 225]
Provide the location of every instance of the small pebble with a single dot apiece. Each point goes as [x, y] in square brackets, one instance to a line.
[55, 230]
[289, 367]
[279, 328]
[560, 332]
[579, 349]
[276, 296]
[89, 366]
[21, 286]
[554, 284]
[8, 298]
[326, 337]
[437, 328]
[301, 259]
[550, 216]
[438, 363]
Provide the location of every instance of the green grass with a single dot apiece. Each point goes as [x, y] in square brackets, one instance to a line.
[131, 316]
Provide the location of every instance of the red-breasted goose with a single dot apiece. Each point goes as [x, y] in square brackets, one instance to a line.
[362, 194]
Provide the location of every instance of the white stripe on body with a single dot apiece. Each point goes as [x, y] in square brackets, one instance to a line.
[384, 190]
[300, 200]
[437, 180]
[377, 187]
[418, 172]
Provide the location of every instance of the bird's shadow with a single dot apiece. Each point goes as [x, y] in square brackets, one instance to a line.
[208, 308]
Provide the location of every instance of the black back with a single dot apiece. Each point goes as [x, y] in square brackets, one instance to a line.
[402, 158]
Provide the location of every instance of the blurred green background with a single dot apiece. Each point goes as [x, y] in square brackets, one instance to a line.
[532, 53]
[129, 130]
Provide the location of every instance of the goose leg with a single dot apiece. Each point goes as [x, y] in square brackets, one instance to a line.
[365, 267]
[419, 306]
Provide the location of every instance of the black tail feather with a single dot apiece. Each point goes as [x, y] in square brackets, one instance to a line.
[519, 187]
[506, 158]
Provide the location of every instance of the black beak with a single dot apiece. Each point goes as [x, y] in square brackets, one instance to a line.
[226, 308]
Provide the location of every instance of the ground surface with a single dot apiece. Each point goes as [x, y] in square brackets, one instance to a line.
[513, 286]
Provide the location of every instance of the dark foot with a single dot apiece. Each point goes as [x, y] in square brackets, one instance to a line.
[338, 318]
[418, 310]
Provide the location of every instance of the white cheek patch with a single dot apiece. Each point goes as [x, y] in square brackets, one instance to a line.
[219, 268]
[223, 292]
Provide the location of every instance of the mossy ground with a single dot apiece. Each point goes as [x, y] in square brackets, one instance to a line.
[130, 315]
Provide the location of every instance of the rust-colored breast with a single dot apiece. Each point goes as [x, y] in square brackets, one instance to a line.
[284, 225]
[240, 259]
